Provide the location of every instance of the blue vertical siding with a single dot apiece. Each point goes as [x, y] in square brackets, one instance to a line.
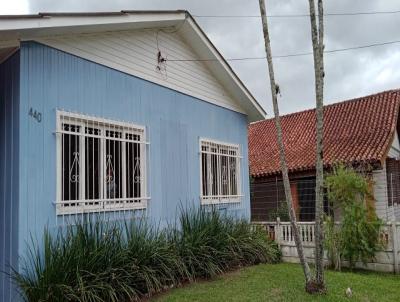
[51, 80]
[9, 148]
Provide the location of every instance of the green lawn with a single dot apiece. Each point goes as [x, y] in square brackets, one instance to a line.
[284, 282]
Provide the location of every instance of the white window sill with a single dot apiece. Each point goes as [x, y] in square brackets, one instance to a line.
[102, 207]
[215, 200]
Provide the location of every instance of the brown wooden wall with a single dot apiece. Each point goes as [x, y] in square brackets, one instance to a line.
[266, 195]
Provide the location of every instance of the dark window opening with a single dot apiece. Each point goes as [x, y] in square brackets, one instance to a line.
[70, 163]
[113, 166]
[224, 173]
[205, 171]
[92, 165]
[214, 173]
[232, 171]
[133, 167]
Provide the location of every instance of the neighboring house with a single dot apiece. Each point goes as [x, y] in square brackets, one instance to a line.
[362, 132]
[128, 114]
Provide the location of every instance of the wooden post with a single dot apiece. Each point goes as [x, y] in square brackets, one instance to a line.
[395, 240]
[278, 231]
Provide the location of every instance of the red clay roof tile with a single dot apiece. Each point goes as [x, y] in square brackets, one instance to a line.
[355, 131]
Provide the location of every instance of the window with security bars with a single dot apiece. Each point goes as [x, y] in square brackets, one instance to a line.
[101, 165]
[220, 172]
[393, 181]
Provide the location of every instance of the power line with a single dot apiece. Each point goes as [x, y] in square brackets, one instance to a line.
[301, 15]
[291, 55]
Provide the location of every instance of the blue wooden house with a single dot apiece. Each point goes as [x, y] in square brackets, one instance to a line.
[119, 115]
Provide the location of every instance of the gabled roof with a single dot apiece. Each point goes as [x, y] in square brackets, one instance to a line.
[357, 131]
[16, 28]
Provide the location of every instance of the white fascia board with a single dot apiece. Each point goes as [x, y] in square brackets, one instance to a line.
[33, 27]
[78, 20]
[206, 50]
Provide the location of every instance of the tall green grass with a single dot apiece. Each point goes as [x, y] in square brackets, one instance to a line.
[101, 261]
[210, 244]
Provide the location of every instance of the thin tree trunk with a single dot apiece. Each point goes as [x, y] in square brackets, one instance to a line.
[318, 52]
[285, 176]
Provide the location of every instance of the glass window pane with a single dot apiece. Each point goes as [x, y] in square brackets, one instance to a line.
[113, 167]
[224, 173]
[133, 167]
[233, 176]
[70, 163]
[204, 172]
[214, 173]
[92, 164]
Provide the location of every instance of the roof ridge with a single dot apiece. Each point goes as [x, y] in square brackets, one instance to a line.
[333, 104]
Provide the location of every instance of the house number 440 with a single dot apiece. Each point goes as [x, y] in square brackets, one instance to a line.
[35, 114]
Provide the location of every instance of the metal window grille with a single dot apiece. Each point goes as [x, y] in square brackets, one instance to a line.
[101, 165]
[220, 172]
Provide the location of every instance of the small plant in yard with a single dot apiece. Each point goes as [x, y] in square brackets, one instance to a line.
[357, 237]
[100, 261]
[281, 211]
[333, 242]
[360, 234]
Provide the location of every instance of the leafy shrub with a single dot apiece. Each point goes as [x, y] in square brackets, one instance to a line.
[282, 212]
[357, 237]
[346, 186]
[99, 261]
[360, 234]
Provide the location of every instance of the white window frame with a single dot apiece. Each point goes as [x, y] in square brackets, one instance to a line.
[220, 198]
[102, 204]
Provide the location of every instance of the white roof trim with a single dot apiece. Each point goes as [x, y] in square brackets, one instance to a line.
[247, 100]
[46, 24]
[25, 27]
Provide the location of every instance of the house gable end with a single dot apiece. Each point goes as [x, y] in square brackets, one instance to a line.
[136, 53]
[191, 60]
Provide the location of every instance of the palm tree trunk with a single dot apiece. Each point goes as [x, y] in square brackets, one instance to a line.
[284, 168]
[317, 35]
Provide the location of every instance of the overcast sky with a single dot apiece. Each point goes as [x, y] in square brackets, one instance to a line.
[348, 74]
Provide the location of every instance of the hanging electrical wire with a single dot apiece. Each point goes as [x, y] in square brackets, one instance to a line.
[291, 55]
[302, 15]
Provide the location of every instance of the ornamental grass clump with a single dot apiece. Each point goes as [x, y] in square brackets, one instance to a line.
[84, 262]
[104, 261]
[210, 243]
[152, 259]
